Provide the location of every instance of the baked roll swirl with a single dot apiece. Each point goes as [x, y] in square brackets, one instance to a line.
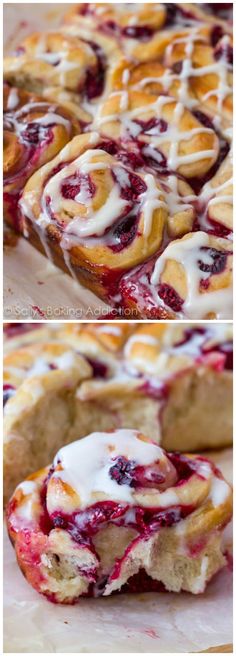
[191, 70]
[53, 59]
[99, 213]
[191, 278]
[169, 135]
[34, 132]
[115, 504]
[120, 20]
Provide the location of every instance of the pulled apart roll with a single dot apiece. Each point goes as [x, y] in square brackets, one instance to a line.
[114, 512]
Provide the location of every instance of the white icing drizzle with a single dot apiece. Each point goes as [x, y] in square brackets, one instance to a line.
[27, 487]
[172, 135]
[109, 329]
[150, 201]
[13, 99]
[50, 117]
[187, 252]
[40, 366]
[219, 491]
[86, 463]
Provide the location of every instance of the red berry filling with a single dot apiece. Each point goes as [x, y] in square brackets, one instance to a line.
[124, 233]
[133, 189]
[94, 83]
[8, 391]
[175, 14]
[218, 264]
[170, 297]
[224, 51]
[222, 9]
[71, 187]
[216, 34]
[158, 125]
[225, 349]
[123, 471]
[14, 329]
[35, 133]
[140, 32]
[100, 370]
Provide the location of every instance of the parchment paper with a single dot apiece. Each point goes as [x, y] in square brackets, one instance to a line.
[144, 623]
[33, 287]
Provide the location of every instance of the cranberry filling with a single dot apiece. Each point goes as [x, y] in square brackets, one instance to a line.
[109, 146]
[222, 9]
[157, 161]
[184, 466]
[132, 190]
[124, 233]
[218, 229]
[204, 119]
[131, 159]
[177, 67]
[13, 329]
[100, 370]
[226, 349]
[175, 12]
[218, 264]
[198, 183]
[224, 51]
[8, 391]
[216, 35]
[170, 297]
[94, 83]
[35, 133]
[123, 471]
[72, 186]
[152, 123]
[140, 32]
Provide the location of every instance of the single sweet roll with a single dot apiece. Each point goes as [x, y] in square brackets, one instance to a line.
[170, 137]
[191, 279]
[34, 132]
[195, 68]
[115, 512]
[53, 59]
[100, 216]
[121, 21]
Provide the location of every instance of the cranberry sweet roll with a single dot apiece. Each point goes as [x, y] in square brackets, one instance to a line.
[169, 136]
[191, 279]
[122, 20]
[51, 59]
[116, 512]
[34, 132]
[99, 216]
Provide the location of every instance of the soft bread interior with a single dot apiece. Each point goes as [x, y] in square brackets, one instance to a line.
[163, 558]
